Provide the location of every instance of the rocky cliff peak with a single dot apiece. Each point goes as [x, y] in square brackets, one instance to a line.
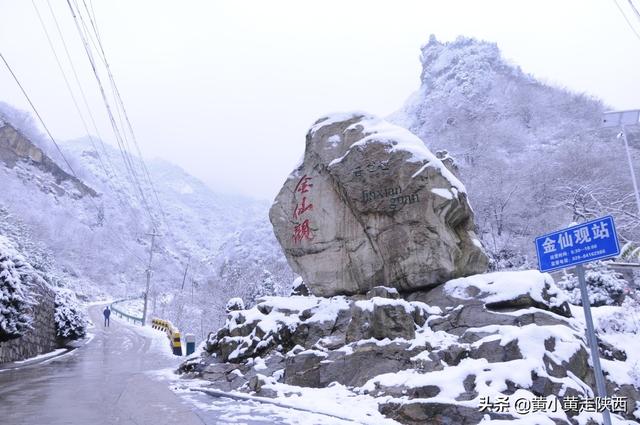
[465, 65]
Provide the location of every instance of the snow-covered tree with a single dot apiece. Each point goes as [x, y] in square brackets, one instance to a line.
[15, 298]
[605, 286]
[265, 287]
[71, 322]
[507, 259]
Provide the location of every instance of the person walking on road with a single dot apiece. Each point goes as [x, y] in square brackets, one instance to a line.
[106, 312]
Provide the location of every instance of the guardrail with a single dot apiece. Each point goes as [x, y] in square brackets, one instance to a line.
[123, 315]
[175, 340]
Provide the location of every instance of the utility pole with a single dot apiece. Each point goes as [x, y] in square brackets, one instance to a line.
[193, 282]
[153, 235]
[185, 273]
[623, 119]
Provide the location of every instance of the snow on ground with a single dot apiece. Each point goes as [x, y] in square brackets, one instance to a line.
[334, 405]
[40, 357]
[335, 400]
[321, 406]
[619, 326]
[133, 307]
[159, 341]
[230, 411]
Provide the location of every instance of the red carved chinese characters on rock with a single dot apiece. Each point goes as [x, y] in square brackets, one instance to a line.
[302, 208]
[303, 185]
[302, 231]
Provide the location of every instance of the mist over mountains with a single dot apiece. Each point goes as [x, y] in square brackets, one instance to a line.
[100, 240]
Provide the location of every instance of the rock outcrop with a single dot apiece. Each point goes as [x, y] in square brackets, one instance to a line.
[16, 149]
[435, 356]
[370, 206]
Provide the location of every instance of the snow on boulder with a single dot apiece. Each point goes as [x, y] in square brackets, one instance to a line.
[367, 207]
[499, 291]
[234, 304]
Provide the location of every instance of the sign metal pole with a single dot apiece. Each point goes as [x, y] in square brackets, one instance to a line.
[592, 341]
[572, 247]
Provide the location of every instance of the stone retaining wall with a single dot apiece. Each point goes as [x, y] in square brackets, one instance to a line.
[39, 340]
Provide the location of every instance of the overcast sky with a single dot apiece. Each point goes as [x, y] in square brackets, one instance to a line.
[227, 89]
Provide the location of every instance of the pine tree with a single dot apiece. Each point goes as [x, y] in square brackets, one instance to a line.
[15, 302]
[605, 286]
[70, 321]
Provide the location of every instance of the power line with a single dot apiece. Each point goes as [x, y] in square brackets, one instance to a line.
[64, 76]
[122, 140]
[38, 115]
[111, 171]
[119, 138]
[635, 10]
[627, 19]
[121, 103]
[35, 110]
[92, 14]
[123, 150]
[75, 74]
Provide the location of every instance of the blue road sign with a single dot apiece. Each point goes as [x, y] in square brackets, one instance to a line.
[589, 241]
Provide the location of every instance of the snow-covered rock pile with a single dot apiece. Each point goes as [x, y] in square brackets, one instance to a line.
[430, 356]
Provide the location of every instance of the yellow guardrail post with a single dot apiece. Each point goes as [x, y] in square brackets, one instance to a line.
[176, 343]
[173, 334]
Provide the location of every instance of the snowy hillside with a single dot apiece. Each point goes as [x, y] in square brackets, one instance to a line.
[532, 156]
[100, 240]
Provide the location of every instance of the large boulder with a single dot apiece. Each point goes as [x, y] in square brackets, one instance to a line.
[370, 206]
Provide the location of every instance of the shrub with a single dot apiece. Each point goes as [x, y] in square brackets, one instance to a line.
[71, 322]
[15, 297]
[605, 286]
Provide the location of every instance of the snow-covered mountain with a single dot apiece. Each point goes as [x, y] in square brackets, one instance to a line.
[96, 226]
[532, 156]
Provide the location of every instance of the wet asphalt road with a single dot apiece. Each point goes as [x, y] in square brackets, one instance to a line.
[114, 379]
[102, 382]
